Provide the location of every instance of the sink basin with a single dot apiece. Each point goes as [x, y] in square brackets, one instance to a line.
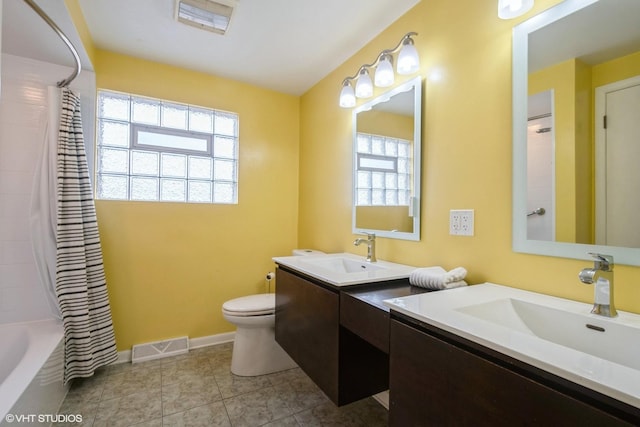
[345, 269]
[580, 332]
[344, 265]
[554, 334]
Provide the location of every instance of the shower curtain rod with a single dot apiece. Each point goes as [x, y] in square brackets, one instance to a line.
[65, 39]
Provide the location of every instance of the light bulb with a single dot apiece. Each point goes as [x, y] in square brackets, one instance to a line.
[408, 60]
[364, 87]
[508, 9]
[515, 5]
[347, 96]
[384, 76]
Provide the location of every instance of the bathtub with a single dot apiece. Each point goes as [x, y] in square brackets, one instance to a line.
[31, 370]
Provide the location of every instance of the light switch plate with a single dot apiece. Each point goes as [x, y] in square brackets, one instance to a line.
[461, 222]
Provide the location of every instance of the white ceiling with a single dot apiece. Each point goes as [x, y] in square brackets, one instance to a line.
[284, 45]
[598, 33]
[25, 34]
[602, 31]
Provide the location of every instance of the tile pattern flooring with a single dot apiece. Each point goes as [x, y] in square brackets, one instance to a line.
[198, 389]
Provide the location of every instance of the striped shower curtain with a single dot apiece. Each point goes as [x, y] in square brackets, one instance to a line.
[80, 280]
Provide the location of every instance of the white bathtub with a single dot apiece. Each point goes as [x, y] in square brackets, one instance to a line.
[31, 369]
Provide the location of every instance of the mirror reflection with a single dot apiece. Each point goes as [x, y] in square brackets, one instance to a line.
[386, 159]
[581, 151]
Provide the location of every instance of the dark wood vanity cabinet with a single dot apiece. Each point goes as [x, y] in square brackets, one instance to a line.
[345, 366]
[438, 379]
[307, 322]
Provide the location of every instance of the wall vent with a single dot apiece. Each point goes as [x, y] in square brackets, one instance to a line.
[208, 15]
[159, 349]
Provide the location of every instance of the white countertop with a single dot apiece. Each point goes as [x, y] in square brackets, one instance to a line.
[446, 310]
[386, 270]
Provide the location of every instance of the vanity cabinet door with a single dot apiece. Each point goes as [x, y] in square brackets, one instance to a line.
[436, 383]
[307, 328]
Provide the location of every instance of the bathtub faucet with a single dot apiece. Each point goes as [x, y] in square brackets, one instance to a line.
[371, 246]
[602, 275]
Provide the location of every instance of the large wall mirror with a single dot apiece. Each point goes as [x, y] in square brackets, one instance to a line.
[576, 131]
[386, 163]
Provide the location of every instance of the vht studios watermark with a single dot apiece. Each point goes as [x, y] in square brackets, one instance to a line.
[43, 418]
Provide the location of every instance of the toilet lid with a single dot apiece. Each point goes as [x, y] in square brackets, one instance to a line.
[252, 305]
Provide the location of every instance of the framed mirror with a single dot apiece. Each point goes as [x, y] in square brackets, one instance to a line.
[386, 163]
[576, 115]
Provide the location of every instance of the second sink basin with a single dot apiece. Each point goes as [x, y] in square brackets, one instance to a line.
[580, 332]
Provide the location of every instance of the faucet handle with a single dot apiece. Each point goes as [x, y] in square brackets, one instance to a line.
[602, 261]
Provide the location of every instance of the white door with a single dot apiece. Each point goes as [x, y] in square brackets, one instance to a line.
[540, 179]
[541, 167]
[618, 153]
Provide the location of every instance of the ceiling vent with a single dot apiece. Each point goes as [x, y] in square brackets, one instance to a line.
[205, 14]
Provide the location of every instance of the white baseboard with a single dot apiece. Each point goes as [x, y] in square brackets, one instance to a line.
[124, 357]
[199, 342]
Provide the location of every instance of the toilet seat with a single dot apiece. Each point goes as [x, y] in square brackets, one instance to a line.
[252, 305]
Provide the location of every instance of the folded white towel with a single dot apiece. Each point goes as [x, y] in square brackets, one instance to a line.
[457, 284]
[437, 278]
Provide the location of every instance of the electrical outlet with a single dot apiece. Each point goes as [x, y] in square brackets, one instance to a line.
[466, 222]
[461, 222]
[454, 222]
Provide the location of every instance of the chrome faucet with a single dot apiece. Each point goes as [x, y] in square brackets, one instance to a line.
[371, 246]
[602, 275]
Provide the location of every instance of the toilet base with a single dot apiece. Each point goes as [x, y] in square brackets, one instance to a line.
[256, 352]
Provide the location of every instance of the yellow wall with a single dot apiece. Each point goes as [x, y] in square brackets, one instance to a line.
[171, 266]
[618, 69]
[384, 218]
[387, 124]
[466, 156]
[584, 155]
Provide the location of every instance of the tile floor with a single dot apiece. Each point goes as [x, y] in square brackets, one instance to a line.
[198, 389]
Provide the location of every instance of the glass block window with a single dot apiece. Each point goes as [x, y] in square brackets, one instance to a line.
[154, 150]
[383, 171]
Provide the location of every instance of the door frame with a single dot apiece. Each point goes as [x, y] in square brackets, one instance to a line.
[600, 150]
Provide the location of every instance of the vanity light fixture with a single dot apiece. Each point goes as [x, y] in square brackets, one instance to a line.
[407, 62]
[364, 87]
[347, 95]
[384, 76]
[508, 9]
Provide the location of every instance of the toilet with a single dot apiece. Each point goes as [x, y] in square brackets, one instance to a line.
[255, 350]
